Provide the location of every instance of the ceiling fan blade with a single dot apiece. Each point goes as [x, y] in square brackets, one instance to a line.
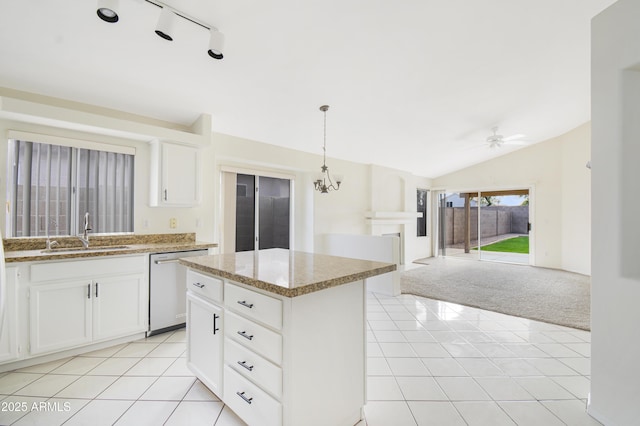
[514, 137]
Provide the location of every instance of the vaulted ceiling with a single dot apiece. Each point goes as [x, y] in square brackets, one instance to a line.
[415, 85]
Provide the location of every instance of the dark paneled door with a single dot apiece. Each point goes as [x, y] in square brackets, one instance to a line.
[269, 228]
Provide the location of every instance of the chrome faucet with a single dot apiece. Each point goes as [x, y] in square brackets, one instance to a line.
[85, 236]
[50, 243]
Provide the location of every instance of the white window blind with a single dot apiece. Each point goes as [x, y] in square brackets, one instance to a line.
[54, 185]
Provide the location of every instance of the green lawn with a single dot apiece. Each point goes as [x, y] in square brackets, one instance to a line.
[512, 245]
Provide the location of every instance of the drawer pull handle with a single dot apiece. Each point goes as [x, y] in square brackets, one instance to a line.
[198, 285]
[245, 335]
[244, 303]
[244, 364]
[241, 395]
[165, 261]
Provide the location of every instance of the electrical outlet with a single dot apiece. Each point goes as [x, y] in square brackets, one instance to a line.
[173, 223]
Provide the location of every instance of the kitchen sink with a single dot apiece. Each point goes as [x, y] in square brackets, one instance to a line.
[72, 249]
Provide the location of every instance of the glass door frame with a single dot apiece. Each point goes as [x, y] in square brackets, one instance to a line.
[441, 224]
[227, 184]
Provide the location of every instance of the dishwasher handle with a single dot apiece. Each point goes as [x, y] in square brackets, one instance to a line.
[162, 262]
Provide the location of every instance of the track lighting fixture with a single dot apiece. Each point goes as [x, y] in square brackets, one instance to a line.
[216, 43]
[107, 10]
[165, 23]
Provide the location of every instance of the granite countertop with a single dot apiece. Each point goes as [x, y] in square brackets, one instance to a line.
[33, 249]
[287, 273]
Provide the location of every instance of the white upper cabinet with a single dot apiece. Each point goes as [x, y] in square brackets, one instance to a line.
[175, 175]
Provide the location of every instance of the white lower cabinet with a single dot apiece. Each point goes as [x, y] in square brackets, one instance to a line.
[84, 301]
[250, 402]
[288, 361]
[119, 306]
[9, 324]
[60, 316]
[204, 334]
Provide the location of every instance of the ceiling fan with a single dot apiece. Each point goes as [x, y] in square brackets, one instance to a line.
[496, 141]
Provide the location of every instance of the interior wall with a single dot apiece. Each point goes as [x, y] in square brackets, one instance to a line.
[148, 219]
[615, 285]
[555, 171]
[314, 213]
[340, 212]
[576, 202]
[394, 191]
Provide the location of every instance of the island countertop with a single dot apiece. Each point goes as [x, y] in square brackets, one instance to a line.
[286, 272]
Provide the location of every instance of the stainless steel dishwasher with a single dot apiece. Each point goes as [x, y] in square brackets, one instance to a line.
[167, 290]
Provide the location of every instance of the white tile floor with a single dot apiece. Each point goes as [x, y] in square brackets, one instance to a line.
[429, 363]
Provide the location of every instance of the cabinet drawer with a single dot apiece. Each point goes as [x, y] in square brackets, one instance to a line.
[205, 285]
[254, 336]
[253, 367]
[249, 402]
[254, 305]
[73, 269]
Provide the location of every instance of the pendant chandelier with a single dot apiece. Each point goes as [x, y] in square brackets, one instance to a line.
[323, 182]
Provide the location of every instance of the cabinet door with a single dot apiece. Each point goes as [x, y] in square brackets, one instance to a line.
[9, 324]
[120, 306]
[180, 175]
[204, 342]
[60, 315]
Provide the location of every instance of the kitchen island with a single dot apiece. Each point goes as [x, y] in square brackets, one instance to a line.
[279, 335]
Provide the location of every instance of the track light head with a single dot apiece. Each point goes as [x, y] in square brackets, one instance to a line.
[164, 28]
[216, 44]
[107, 10]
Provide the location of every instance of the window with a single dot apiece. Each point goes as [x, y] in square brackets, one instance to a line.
[53, 185]
[422, 208]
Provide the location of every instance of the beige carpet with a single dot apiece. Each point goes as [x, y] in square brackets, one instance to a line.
[547, 295]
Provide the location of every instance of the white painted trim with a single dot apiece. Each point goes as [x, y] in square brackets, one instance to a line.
[101, 121]
[74, 143]
[256, 172]
[596, 415]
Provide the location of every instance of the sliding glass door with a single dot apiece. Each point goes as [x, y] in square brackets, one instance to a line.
[263, 206]
[484, 225]
[457, 225]
[504, 226]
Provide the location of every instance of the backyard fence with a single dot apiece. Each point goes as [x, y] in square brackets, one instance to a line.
[494, 220]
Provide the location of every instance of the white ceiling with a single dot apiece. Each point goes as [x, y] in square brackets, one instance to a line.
[414, 85]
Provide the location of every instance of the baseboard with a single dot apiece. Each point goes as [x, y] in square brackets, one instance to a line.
[598, 416]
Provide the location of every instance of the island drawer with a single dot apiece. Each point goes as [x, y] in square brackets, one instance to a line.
[255, 368]
[249, 402]
[205, 285]
[254, 336]
[257, 306]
